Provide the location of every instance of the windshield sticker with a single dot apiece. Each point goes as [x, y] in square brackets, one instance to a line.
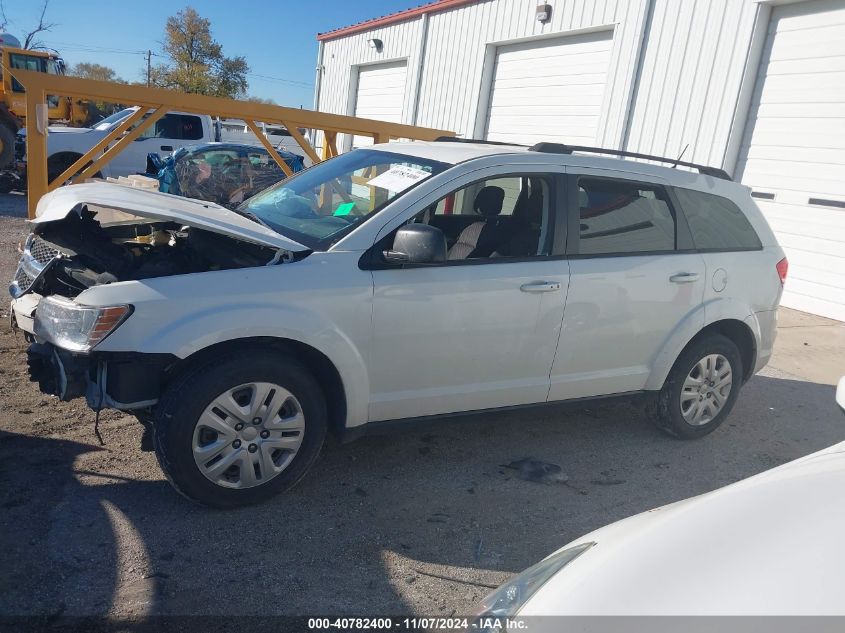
[344, 209]
[398, 178]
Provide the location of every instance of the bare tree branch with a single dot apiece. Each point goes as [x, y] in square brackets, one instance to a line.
[4, 21]
[29, 40]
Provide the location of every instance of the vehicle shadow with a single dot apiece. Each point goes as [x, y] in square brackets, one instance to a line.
[422, 521]
[13, 205]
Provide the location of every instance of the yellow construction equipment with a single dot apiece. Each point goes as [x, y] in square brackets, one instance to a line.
[13, 98]
[155, 102]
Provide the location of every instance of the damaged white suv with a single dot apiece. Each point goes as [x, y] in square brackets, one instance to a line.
[396, 282]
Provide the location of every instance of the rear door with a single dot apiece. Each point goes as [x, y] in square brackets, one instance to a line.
[169, 133]
[634, 277]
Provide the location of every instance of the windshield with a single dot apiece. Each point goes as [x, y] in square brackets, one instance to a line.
[106, 123]
[325, 202]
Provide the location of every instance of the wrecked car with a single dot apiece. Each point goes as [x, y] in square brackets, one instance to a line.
[225, 173]
[398, 282]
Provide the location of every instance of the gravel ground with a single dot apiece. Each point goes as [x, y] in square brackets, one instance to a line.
[422, 521]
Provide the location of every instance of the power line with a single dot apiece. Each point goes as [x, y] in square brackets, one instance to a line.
[292, 82]
[92, 48]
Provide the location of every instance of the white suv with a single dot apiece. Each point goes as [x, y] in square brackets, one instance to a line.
[397, 282]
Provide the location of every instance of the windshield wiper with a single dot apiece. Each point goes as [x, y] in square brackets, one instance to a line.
[250, 215]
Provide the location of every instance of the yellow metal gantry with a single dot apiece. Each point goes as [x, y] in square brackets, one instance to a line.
[156, 102]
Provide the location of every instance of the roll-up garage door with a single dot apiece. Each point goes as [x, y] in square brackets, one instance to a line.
[380, 95]
[549, 90]
[793, 153]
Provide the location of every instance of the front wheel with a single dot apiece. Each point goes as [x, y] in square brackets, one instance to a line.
[238, 432]
[701, 388]
[7, 147]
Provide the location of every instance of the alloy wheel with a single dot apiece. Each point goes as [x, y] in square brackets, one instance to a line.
[706, 389]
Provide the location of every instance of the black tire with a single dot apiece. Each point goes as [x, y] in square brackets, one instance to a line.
[187, 398]
[7, 147]
[56, 165]
[666, 409]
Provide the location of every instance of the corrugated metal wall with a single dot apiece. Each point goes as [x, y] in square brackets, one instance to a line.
[678, 84]
[692, 67]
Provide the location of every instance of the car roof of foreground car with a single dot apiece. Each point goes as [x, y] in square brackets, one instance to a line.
[460, 151]
[767, 545]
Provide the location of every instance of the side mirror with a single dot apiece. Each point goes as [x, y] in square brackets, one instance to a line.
[840, 394]
[417, 244]
[154, 163]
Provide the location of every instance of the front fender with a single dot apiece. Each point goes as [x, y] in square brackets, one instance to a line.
[196, 331]
[182, 319]
[710, 312]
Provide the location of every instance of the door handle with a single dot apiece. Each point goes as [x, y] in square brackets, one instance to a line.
[540, 286]
[684, 278]
[166, 148]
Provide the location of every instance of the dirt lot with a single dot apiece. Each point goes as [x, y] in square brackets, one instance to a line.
[423, 521]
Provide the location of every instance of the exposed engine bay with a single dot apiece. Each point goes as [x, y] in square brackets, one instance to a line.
[78, 252]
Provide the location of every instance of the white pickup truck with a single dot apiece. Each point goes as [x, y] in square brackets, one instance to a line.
[174, 130]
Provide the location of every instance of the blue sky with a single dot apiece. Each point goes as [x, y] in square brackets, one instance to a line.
[278, 39]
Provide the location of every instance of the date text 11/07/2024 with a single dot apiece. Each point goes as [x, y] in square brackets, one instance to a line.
[418, 624]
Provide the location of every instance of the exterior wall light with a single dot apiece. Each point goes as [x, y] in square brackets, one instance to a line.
[543, 13]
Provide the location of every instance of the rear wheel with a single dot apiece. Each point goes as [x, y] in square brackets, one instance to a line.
[701, 388]
[56, 165]
[238, 432]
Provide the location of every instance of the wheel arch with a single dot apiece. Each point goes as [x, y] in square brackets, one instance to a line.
[741, 335]
[739, 329]
[321, 367]
[66, 156]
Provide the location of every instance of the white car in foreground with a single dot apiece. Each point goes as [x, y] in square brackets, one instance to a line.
[396, 282]
[769, 545]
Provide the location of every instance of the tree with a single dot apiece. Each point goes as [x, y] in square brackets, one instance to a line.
[97, 109]
[254, 99]
[99, 72]
[196, 61]
[29, 40]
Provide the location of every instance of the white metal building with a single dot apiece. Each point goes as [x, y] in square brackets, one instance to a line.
[754, 86]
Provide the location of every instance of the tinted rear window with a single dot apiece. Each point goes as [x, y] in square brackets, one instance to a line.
[716, 223]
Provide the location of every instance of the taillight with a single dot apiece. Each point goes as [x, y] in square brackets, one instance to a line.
[783, 267]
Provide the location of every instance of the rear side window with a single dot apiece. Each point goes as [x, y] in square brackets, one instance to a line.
[620, 216]
[716, 223]
[176, 126]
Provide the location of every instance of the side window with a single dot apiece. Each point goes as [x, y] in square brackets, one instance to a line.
[494, 218]
[190, 127]
[620, 216]
[715, 222]
[176, 126]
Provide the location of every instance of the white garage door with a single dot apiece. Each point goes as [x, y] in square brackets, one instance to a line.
[381, 95]
[793, 154]
[549, 90]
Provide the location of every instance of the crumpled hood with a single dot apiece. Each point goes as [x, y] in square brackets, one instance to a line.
[154, 205]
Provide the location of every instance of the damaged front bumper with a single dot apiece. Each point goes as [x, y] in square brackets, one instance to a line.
[22, 312]
[112, 380]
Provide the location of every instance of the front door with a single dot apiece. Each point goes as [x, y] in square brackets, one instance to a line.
[634, 279]
[480, 330]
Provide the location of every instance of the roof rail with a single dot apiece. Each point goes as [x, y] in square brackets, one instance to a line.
[560, 148]
[455, 139]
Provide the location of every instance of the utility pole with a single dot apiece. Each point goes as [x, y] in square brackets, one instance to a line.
[149, 55]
